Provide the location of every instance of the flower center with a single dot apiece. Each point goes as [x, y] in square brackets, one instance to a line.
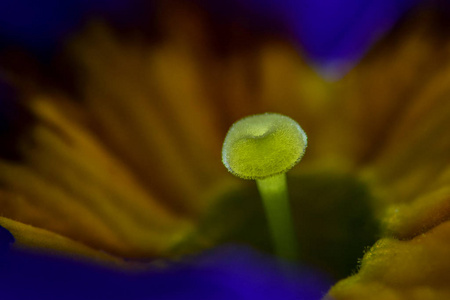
[332, 213]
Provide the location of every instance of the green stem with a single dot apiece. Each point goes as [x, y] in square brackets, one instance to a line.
[275, 197]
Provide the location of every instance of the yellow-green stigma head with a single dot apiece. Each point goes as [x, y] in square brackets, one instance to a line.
[260, 146]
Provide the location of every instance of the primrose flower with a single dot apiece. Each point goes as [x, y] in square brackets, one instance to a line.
[118, 162]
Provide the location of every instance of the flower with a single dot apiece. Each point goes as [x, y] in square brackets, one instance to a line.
[96, 175]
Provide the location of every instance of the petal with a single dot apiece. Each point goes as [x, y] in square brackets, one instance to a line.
[409, 269]
[245, 275]
[335, 34]
[70, 200]
[32, 239]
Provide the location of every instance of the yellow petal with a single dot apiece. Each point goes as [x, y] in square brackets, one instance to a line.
[409, 269]
[30, 238]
